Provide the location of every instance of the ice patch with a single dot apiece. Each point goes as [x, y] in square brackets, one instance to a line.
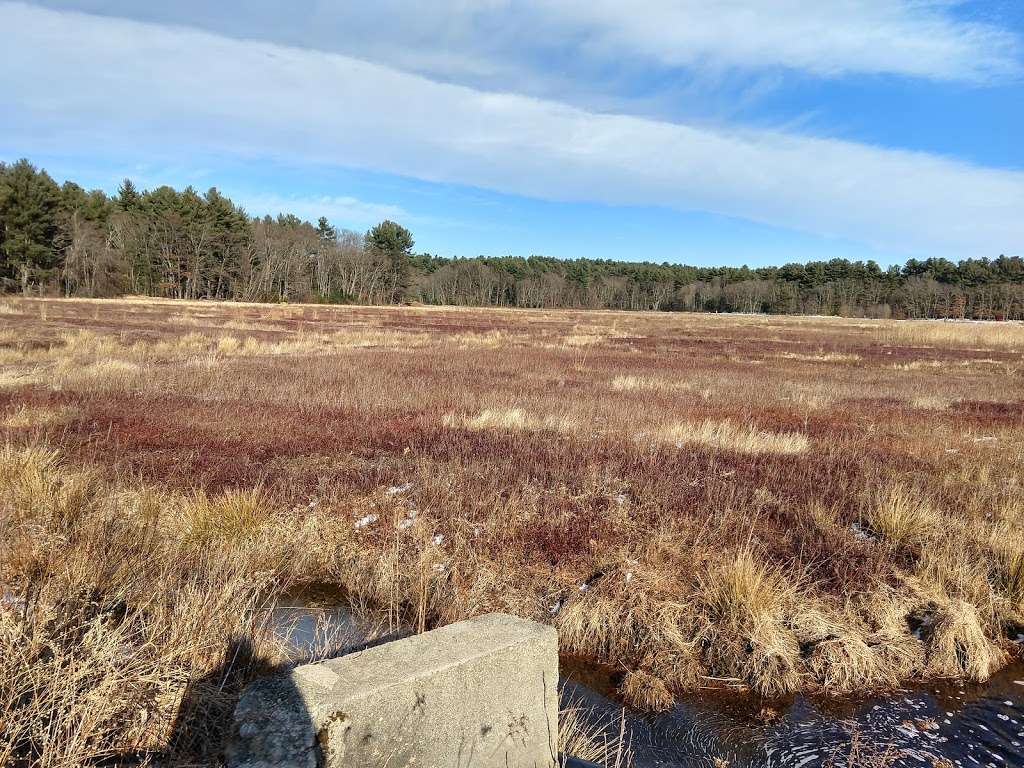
[861, 533]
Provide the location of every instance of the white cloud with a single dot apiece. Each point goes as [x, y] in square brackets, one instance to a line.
[499, 43]
[828, 37]
[342, 211]
[82, 81]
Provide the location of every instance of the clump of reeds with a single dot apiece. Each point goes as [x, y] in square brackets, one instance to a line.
[743, 603]
[958, 644]
[1008, 565]
[900, 515]
[231, 517]
[600, 740]
[837, 654]
[645, 692]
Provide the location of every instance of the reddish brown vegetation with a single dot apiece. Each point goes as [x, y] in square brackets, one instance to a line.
[713, 481]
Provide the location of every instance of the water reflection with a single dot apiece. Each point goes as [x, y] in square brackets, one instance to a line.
[934, 726]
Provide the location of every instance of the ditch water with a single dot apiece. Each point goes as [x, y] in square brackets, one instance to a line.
[935, 725]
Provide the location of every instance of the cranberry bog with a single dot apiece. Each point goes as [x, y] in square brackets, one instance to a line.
[769, 503]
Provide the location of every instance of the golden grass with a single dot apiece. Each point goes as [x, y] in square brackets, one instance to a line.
[959, 645]
[972, 335]
[232, 517]
[838, 654]
[822, 357]
[726, 436]
[598, 740]
[743, 607]
[510, 419]
[633, 383]
[1008, 548]
[28, 417]
[645, 692]
[103, 375]
[901, 515]
[109, 663]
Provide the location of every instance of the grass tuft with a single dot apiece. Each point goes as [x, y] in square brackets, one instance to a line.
[901, 515]
[726, 436]
[645, 692]
[959, 645]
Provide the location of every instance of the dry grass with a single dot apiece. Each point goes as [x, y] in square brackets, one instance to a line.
[746, 635]
[822, 357]
[901, 515]
[971, 335]
[113, 637]
[774, 503]
[1009, 566]
[726, 436]
[959, 646]
[645, 692]
[510, 419]
[600, 741]
[28, 417]
[628, 383]
[233, 517]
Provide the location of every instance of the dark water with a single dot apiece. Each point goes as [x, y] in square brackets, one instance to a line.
[973, 725]
[934, 725]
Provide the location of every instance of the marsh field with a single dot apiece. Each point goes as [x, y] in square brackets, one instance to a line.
[760, 503]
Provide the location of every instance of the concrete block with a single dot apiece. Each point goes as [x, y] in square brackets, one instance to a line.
[477, 693]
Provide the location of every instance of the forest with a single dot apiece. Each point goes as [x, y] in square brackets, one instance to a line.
[69, 241]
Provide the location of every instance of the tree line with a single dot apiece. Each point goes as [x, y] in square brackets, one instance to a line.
[190, 245]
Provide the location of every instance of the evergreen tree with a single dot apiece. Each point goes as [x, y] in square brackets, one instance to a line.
[325, 231]
[29, 207]
[394, 242]
[128, 197]
[184, 244]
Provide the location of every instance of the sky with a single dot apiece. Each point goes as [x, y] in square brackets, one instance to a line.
[710, 133]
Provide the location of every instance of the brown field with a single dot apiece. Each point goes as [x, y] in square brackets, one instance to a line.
[766, 502]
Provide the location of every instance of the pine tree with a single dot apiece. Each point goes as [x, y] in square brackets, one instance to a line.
[394, 242]
[29, 208]
[128, 197]
[325, 231]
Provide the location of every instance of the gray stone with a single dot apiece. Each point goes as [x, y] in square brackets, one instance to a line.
[478, 693]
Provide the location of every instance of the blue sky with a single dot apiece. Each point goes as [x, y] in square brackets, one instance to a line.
[727, 132]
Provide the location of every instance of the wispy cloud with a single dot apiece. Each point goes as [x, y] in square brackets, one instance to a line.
[115, 83]
[917, 38]
[496, 43]
[344, 211]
